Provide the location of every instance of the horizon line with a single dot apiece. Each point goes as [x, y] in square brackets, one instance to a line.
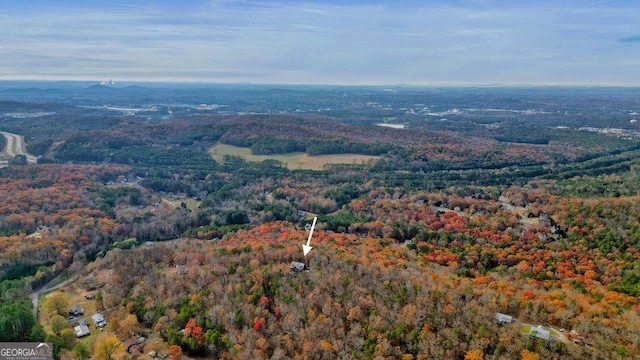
[205, 82]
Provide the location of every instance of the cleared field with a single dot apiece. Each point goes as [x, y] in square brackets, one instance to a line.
[175, 203]
[293, 161]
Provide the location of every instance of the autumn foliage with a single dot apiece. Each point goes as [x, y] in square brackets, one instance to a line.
[363, 296]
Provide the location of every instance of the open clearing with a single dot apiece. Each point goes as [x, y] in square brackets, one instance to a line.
[294, 160]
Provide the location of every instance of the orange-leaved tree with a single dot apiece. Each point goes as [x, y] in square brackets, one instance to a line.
[474, 355]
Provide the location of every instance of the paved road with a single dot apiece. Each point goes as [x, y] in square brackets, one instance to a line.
[35, 296]
[16, 146]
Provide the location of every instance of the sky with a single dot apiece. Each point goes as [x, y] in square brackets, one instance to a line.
[350, 42]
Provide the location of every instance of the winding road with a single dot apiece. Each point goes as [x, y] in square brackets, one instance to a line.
[16, 146]
[35, 296]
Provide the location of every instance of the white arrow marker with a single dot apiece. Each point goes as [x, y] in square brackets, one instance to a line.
[306, 248]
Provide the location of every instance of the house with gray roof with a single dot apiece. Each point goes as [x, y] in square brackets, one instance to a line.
[540, 332]
[503, 318]
[76, 310]
[81, 330]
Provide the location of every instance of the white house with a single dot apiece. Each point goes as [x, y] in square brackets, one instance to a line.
[297, 266]
[98, 319]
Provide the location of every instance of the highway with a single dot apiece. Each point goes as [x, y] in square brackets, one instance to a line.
[16, 146]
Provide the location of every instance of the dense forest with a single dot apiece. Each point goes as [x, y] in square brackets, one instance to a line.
[363, 297]
[469, 211]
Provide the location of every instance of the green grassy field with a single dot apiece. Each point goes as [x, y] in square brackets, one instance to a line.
[295, 160]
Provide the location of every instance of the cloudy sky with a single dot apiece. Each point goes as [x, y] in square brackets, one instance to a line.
[443, 42]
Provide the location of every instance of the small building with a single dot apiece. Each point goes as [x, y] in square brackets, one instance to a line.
[297, 266]
[76, 310]
[81, 330]
[503, 318]
[128, 344]
[540, 332]
[98, 319]
[134, 345]
[543, 219]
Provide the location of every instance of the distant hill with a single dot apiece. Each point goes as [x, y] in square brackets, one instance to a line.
[7, 106]
[99, 89]
[32, 90]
